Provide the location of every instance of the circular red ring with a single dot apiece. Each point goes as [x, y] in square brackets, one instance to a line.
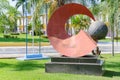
[59, 38]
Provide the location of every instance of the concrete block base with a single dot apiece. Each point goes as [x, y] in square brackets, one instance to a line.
[89, 65]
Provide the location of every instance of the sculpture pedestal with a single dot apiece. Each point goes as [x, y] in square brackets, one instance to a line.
[89, 65]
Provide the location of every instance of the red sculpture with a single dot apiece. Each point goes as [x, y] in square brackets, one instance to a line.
[71, 46]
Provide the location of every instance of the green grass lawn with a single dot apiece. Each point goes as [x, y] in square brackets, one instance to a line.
[12, 69]
[21, 40]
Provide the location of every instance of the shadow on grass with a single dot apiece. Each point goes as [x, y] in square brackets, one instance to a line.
[27, 65]
[111, 73]
[2, 64]
[114, 65]
[114, 69]
[23, 65]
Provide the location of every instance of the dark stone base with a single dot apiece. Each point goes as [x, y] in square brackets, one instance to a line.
[89, 65]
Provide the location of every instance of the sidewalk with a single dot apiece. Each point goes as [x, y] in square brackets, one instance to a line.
[11, 55]
[19, 51]
[23, 55]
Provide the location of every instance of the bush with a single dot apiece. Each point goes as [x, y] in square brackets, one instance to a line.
[13, 36]
[6, 36]
[37, 33]
[9, 36]
[15, 33]
[1, 29]
[43, 36]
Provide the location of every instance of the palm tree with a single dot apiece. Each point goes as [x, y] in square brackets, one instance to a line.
[111, 9]
[4, 5]
[21, 3]
[39, 5]
[80, 22]
[13, 16]
[113, 14]
[3, 22]
[36, 15]
[53, 4]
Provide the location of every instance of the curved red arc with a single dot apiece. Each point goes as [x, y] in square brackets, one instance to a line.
[62, 14]
[57, 35]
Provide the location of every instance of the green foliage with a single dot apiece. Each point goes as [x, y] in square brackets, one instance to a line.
[19, 3]
[13, 15]
[13, 33]
[7, 36]
[1, 29]
[38, 28]
[36, 17]
[43, 36]
[21, 38]
[95, 9]
[80, 22]
[29, 26]
[8, 16]
[4, 5]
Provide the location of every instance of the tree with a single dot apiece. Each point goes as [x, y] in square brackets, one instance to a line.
[13, 16]
[3, 22]
[113, 13]
[36, 23]
[8, 15]
[79, 22]
[53, 5]
[39, 5]
[4, 5]
[21, 3]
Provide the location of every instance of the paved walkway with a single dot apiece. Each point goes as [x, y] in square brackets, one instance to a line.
[12, 51]
[20, 51]
[106, 47]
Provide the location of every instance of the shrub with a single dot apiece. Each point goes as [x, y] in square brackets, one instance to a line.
[43, 36]
[9, 36]
[6, 35]
[13, 33]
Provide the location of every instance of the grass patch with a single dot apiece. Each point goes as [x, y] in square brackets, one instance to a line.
[21, 39]
[12, 69]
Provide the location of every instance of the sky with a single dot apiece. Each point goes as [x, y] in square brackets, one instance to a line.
[13, 3]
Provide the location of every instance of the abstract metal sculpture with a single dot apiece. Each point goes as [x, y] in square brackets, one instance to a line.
[71, 46]
[75, 47]
[98, 30]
